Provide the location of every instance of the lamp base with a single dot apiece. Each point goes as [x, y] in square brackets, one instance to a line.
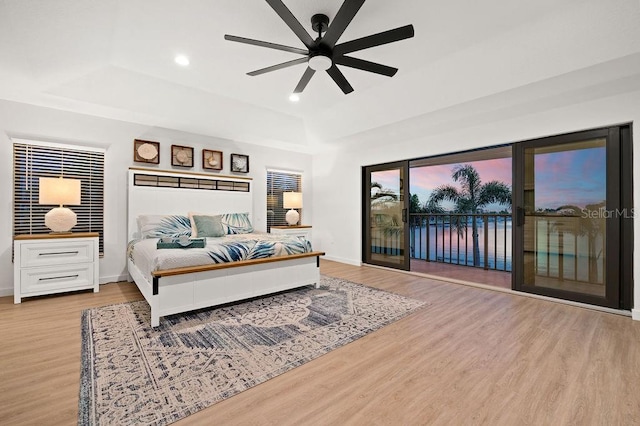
[60, 219]
[292, 217]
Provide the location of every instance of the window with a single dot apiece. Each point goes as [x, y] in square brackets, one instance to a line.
[277, 183]
[33, 160]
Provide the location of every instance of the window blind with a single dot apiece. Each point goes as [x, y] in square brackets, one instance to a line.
[277, 183]
[32, 161]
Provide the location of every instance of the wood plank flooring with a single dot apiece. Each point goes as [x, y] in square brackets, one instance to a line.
[472, 356]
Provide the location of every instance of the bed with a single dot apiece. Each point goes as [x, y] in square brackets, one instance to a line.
[175, 286]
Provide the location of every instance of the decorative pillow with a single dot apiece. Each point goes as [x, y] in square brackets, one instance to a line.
[232, 223]
[208, 226]
[236, 223]
[159, 226]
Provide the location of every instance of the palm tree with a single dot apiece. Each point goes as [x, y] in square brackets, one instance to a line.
[384, 206]
[382, 195]
[471, 197]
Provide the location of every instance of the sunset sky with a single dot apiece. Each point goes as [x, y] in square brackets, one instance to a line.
[569, 177]
[424, 179]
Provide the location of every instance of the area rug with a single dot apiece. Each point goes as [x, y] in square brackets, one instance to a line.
[134, 374]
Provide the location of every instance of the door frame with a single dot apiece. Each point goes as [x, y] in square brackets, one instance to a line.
[619, 229]
[366, 213]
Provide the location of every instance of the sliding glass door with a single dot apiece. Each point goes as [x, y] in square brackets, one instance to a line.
[385, 222]
[570, 209]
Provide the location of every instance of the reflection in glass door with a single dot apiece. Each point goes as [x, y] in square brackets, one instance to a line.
[567, 238]
[385, 225]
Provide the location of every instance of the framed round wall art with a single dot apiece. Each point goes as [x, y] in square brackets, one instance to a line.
[181, 156]
[211, 160]
[146, 151]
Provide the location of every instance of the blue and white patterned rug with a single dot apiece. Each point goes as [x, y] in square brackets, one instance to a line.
[134, 374]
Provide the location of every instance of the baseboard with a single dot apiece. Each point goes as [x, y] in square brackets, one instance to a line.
[635, 314]
[341, 260]
[114, 279]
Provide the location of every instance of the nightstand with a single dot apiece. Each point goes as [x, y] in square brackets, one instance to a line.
[54, 263]
[298, 230]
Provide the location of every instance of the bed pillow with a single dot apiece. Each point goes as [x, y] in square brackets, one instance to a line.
[207, 226]
[236, 223]
[159, 226]
[232, 223]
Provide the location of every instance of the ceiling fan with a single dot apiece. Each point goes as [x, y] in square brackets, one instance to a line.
[323, 54]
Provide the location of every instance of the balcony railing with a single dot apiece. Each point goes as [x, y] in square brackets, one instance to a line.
[448, 238]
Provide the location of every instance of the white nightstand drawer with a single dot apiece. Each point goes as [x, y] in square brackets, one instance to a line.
[55, 253]
[56, 278]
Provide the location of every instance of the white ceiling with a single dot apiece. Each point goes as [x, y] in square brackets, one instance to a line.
[114, 58]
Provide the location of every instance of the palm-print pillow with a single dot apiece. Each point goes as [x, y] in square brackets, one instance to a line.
[159, 226]
[236, 223]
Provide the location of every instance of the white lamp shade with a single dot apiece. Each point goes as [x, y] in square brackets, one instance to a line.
[59, 191]
[292, 200]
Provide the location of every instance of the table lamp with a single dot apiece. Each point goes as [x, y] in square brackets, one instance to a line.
[292, 200]
[59, 191]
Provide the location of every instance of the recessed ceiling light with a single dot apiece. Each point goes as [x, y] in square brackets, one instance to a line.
[294, 97]
[182, 60]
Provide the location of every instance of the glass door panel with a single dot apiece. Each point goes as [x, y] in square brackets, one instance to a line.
[565, 197]
[566, 235]
[385, 227]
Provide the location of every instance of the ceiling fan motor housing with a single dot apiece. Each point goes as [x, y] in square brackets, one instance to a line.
[320, 23]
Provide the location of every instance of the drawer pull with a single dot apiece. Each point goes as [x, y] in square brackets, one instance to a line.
[58, 253]
[58, 278]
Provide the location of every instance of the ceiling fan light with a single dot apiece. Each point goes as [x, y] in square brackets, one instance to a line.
[320, 63]
[294, 97]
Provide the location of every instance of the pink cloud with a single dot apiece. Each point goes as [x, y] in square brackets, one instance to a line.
[428, 178]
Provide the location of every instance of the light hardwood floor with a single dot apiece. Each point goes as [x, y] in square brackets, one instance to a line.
[472, 356]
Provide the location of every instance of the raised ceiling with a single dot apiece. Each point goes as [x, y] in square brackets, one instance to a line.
[114, 58]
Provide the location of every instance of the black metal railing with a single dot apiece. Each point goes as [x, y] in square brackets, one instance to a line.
[449, 238]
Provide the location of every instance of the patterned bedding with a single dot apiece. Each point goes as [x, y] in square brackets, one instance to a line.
[229, 248]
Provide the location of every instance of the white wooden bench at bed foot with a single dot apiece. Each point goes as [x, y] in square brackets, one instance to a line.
[179, 290]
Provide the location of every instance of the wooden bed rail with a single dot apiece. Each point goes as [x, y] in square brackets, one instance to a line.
[216, 266]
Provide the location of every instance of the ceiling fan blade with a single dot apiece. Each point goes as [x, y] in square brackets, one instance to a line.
[265, 44]
[340, 22]
[304, 80]
[288, 18]
[363, 65]
[278, 66]
[384, 37]
[340, 80]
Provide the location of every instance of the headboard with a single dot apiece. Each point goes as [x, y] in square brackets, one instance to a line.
[153, 191]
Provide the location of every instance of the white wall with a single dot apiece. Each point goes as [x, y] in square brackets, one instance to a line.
[44, 124]
[332, 179]
[337, 175]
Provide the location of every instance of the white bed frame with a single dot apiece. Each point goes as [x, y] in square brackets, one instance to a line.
[178, 290]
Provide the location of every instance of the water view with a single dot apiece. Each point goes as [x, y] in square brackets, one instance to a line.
[441, 243]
